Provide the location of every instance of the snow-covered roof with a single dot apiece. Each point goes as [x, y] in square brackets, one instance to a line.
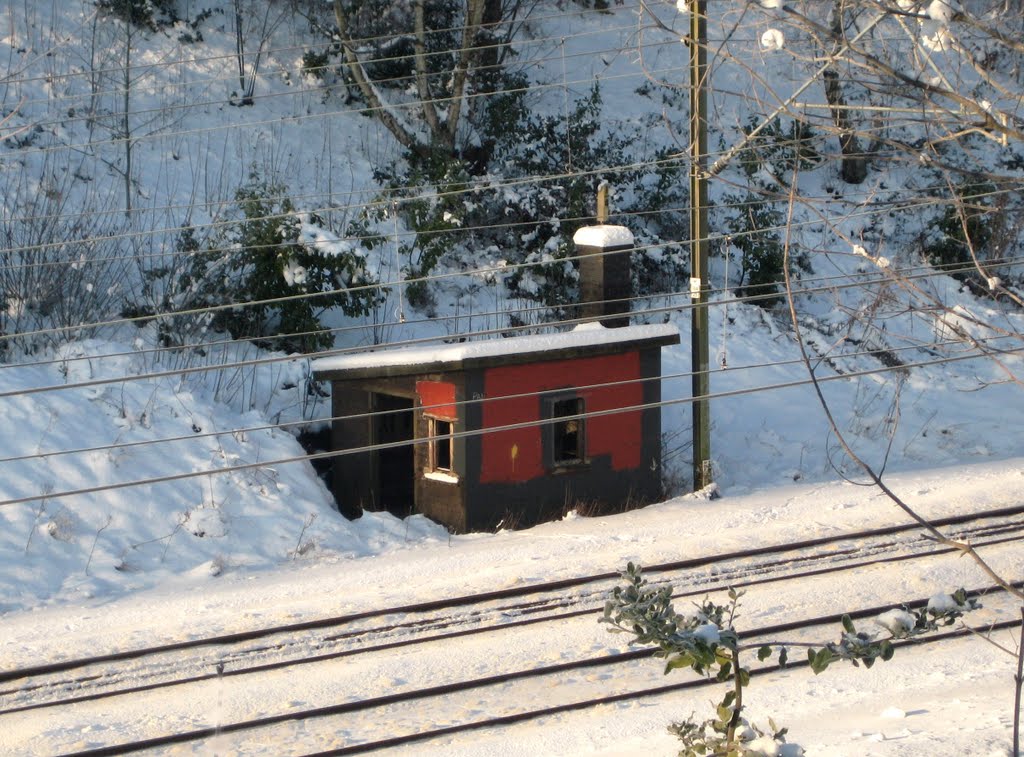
[586, 336]
[603, 236]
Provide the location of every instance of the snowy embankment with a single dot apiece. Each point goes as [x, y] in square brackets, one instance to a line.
[86, 528]
[225, 501]
[256, 512]
[958, 695]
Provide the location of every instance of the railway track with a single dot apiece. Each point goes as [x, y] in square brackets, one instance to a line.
[266, 649]
[73, 681]
[611, 678]
[213, 661]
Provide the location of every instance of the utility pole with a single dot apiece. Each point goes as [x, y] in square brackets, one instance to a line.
[699, 244]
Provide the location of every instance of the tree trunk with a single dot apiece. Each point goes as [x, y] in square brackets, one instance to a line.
[467, 55]
[403, 135]
[442, 132]
[855, 164]
[422, 82]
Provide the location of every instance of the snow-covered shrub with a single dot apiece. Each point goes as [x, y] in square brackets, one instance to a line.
[268, 262]
[706, 641]
[778, 149]
[192, 32]
[965, 225]
[147, 14]
[753, 220]
[62, 271]
[172, 289]
[573, 154]
[753, 225]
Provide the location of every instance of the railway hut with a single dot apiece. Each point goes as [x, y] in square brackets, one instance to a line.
[511, 431]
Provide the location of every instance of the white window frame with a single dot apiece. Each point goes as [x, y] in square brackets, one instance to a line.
[436, 444]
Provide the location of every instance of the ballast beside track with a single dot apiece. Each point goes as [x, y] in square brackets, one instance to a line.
[262, 650]
[497, 688]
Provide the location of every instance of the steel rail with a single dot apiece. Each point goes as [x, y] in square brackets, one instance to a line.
[501, 594]
[503, 678]
[542, 611]
[222, 672]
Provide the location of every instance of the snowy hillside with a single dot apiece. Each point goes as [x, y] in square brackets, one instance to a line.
[207, 423]
[199, 199]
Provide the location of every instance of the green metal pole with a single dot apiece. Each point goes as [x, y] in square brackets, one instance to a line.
[699, 243]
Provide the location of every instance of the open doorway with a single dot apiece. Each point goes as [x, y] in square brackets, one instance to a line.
[395, 465]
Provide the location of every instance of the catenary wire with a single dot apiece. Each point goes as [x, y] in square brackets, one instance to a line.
[484, 271]
[487, 270]
[492, 270]
[403, 194]
[205, 84]
[876, 207]
[820, 284]
[732, 369]
[462, 434]
[490, 332]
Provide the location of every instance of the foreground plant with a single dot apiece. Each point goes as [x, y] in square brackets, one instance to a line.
[706, 642]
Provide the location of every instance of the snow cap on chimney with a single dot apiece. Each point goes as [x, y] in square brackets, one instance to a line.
[605, 281]
[604, 237]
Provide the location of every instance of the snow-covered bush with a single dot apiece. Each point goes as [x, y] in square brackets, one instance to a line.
[148, 14]
[62, 271]
[282, 269]
[573, 154]
[753, 224]
[706, 642]
[965, 226]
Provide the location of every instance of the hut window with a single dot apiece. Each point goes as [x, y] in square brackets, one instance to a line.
[441, 446]
[567, 432]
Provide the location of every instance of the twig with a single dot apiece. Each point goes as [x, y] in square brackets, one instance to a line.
[42, 506]
[298, 542]
[1018, 680]
[94, 540]
[177, 528]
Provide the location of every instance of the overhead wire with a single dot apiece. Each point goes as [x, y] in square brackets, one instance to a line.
[809, 285]
[297, 424]
[304, 117]
[395, 82]
[429, 339]
[385, 202]
[753, 148]
[310, 457]
[356, 41]
[359, 42]
[487, 270]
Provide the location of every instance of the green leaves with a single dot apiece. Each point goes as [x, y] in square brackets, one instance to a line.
[765, 652]
[886, 650]
[682, 661]
[819, 659]
[646, 612]
[724, 672]
[706, 642]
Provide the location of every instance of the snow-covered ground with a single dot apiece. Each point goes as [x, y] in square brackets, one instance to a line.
[954, 698]
[90, 560]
